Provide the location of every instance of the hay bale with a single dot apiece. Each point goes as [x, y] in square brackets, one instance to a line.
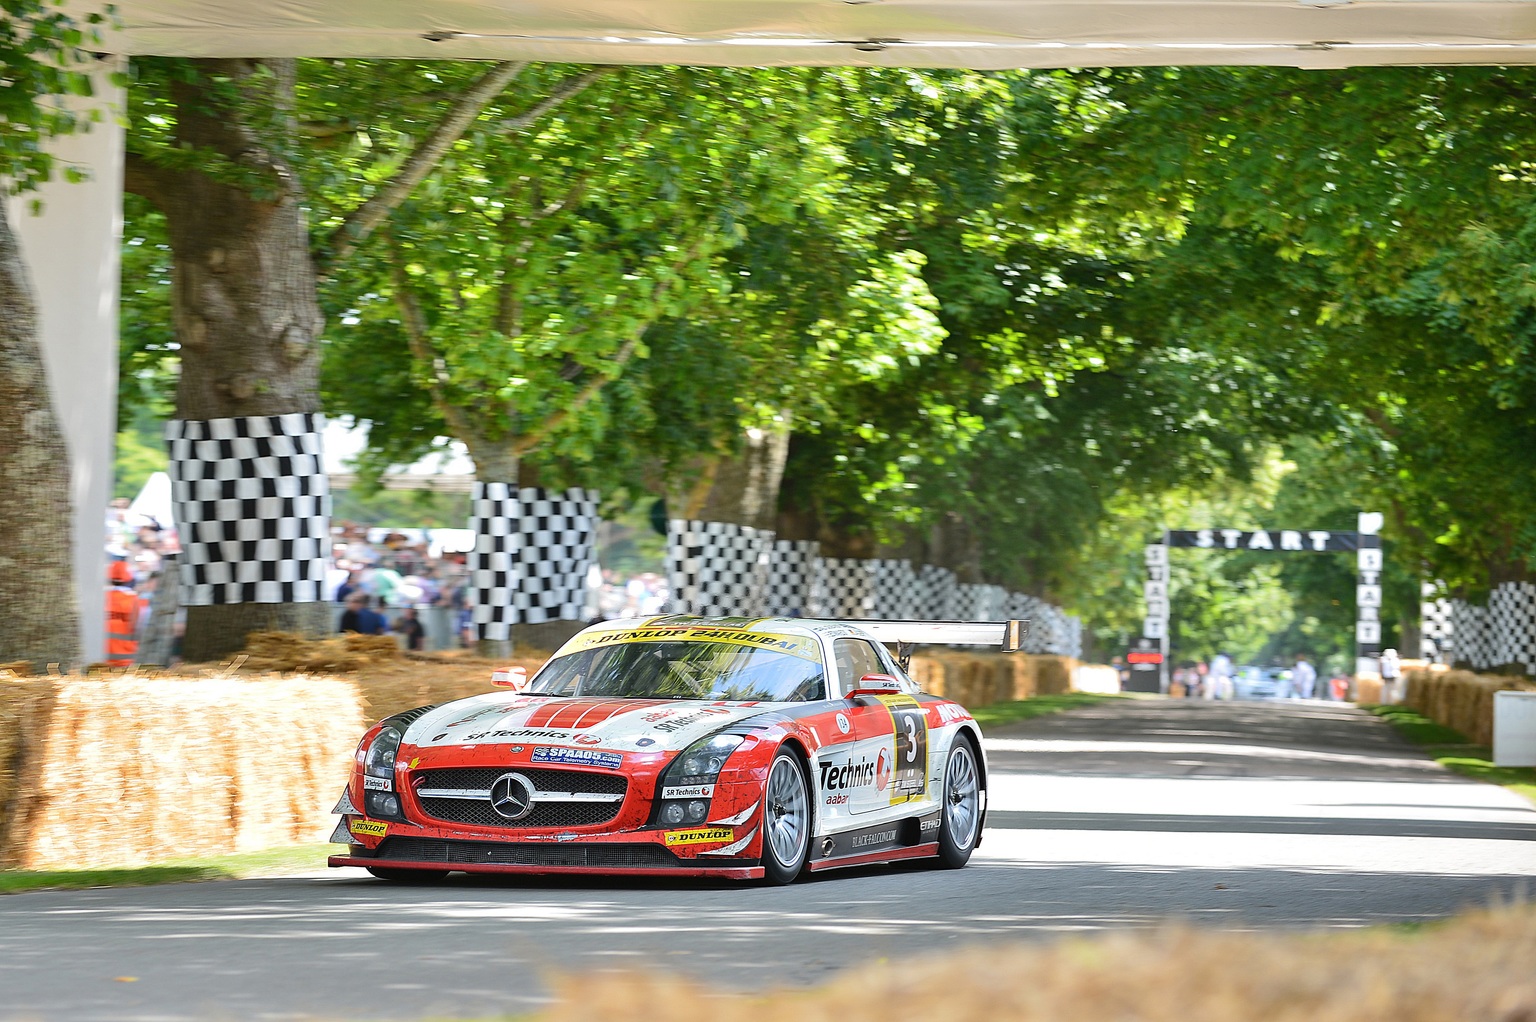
[985, 679]
[414, 681]
[26, 705]
[292, 653]
[135, 770]
[1367, 690]
[1054, 675]
[1460, 700]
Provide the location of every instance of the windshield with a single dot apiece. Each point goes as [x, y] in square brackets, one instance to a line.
[683, 670]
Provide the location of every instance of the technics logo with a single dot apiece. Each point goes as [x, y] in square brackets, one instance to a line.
[854, 774]
[512, 796]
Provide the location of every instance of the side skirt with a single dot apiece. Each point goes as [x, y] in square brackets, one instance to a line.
[890, 855]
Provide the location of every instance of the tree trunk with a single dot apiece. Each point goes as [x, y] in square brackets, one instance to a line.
[743, 488]
[953, 544]
[37, 586]
[245, 305]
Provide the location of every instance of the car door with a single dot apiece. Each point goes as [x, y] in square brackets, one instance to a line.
[890, 766]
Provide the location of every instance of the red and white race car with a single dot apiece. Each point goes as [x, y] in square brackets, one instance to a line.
[681, 746]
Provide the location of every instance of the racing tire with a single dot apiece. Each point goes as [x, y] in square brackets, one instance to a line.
[960, 814]
[407, 876]
[786, 820]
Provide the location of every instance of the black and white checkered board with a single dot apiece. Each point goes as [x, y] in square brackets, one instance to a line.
[533, 551]
[717, 568]
[1436, 641]
[937, 593]
[1469, 627]
[849, 585]
[898, 593]
[253, 506]
[1511, 625]
[791, 590]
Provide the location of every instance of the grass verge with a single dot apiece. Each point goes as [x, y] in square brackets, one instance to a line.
[1027, 709]
[1451, 749]
[271, 862]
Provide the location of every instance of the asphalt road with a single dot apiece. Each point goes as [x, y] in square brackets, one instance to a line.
[1298, 815]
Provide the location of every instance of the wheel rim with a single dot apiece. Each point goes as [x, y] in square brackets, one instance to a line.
[962, 796]
[788, 813]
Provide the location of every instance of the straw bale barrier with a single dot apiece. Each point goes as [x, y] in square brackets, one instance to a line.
[122, 769]
[1474, 967]
[1460, 699]
[26, 705]
[982, 679]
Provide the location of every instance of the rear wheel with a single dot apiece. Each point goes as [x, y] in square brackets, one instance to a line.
[786, 819]
[960, 822]
[408, 876]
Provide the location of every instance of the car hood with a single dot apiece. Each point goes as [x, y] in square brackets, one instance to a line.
[631, 725]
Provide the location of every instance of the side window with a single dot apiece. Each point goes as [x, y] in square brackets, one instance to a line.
[855, 658]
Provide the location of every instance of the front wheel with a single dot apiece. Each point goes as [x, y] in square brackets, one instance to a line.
[960, 823]
[408, 876]
[786, 820]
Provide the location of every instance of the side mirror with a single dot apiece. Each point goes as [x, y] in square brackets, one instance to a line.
[515, 678]
[876, 685]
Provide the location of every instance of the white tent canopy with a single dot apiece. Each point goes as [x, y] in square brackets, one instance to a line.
[448, 468]
[902, 33]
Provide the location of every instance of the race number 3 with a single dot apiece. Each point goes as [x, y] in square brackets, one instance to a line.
[909, 724]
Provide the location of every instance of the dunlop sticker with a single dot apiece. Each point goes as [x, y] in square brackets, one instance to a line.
[368, 828]
[803, 646]
[700, 836]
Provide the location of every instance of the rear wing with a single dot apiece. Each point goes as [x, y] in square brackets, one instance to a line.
[904, 635]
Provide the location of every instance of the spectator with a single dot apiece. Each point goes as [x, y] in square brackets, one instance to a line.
[1303, 678]
[1391, 670]
[122, 615]
[410, 629]
[362, 618]
[348, 587]
[1219, 683]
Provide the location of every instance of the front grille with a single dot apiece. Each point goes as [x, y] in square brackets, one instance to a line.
[609, 856]
[478, 812]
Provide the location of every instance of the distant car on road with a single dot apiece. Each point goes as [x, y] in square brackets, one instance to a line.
[1261, 682]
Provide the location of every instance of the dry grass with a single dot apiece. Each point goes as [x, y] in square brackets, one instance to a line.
[1460, 700]
[1479, 967]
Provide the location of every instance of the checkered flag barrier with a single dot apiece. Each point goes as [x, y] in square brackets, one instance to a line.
[937, 593]
[533, 550]
[717, 568]
[1511, 626]
[253, 506]
[1469, 626]
[978, 602]
[848, 584]
[1057, 632]
[898, 593]
[791, 590]
[1437, 642]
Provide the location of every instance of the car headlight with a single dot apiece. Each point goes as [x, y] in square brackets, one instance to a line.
[688, 784]
[379, 761]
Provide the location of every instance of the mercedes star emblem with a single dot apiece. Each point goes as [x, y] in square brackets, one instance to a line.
[512, 796]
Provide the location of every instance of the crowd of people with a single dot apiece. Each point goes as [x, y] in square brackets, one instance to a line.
[381, 582]
[1221, 678]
